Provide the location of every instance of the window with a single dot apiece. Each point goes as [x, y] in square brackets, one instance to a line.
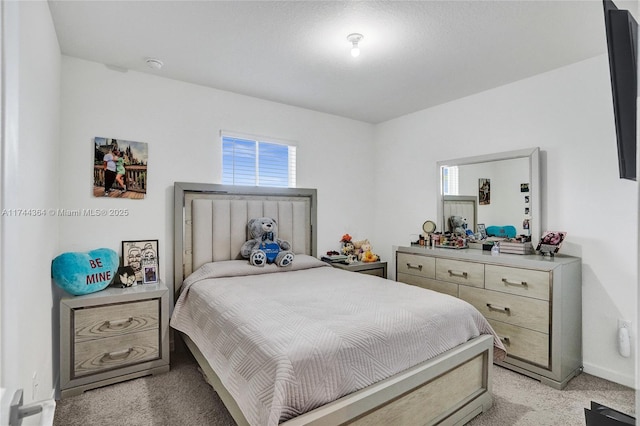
[450, 180]
[247, 161]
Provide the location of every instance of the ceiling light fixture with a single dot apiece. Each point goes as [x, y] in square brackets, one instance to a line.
[156, 64]
[354, 39]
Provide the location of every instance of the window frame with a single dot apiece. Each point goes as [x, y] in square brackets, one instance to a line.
[257, 140]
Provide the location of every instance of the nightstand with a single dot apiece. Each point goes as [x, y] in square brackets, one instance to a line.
[371, 268]
[113, 335]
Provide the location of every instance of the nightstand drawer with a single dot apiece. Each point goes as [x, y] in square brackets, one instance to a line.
[113, 352]
[466, 273]
[516, 310]
[115, 320]
[524, 344]
[523, 282]
[416, 265]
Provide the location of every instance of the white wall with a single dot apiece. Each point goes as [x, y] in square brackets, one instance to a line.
[181, 123]
[568, 114]
[30, 168]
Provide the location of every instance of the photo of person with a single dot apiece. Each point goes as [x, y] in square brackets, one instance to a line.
[120, 171]
[109, 167]
[150, 274]
[120, 168]
[484, 191]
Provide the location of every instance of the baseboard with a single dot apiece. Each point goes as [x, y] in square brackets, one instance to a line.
[612, 376]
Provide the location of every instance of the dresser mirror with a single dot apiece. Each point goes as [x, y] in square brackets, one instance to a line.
[500, 191]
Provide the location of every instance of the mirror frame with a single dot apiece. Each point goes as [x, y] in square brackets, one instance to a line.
[532, 154]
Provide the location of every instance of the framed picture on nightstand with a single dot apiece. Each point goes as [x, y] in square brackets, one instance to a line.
[150, 274]
[141, 255]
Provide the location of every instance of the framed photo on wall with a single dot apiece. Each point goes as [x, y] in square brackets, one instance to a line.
[140, 254]
[120, 168]
[484, 191]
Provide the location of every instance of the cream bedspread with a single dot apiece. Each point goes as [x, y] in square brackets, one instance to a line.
[284, 343]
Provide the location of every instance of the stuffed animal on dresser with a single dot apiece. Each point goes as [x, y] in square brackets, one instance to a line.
[358, 248]
[264, 246]
[367, 254]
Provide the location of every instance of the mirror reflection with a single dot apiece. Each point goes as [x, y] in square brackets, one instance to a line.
[499, 191]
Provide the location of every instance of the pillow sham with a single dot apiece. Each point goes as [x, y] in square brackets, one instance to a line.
[237, 268]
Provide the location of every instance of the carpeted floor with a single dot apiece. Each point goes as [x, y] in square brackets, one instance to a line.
[183, 398]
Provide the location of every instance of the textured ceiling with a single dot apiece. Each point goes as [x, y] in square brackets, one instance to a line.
[414, 54]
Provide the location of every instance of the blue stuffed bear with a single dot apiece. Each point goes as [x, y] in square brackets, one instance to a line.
[264, 246]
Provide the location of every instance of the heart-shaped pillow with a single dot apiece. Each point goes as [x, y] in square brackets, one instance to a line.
[84, 273]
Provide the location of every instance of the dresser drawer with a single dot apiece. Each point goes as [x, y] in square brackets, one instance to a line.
[523, 282]
[516, 310]
[416, 265]
[430, 284]
[97, 355]
[459, 272]
[115, 320]
[527, 345]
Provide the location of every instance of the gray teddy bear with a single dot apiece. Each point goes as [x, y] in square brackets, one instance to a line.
[264, 246]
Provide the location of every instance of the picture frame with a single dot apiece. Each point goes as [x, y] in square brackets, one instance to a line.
[140, 254]
[484, 191]
[149, 274]
[120, 168]
[482, 230]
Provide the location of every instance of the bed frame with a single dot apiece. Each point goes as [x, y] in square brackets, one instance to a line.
[210, 225]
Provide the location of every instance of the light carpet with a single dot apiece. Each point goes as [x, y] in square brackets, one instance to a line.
[182, 397]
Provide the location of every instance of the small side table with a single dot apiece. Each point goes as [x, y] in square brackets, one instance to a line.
[113, 335]
[371, 268]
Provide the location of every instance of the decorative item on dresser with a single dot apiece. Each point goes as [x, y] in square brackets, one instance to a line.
[534, 303]
[113, 335]
[142, 256]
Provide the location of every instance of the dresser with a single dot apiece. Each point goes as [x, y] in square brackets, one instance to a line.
[533, 303]
[113, 335]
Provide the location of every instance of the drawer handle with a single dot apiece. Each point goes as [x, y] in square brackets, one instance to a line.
[418, 267]
[117, 355]
[506, 309]
[522, 283]
[119, 324]
[457, 274]
[506, 340]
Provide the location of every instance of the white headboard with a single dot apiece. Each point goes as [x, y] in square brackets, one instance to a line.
[460, 205]
[210, 222]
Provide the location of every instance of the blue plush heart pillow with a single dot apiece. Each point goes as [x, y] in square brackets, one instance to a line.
[84, 273]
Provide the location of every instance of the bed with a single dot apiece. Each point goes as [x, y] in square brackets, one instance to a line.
[310, 344]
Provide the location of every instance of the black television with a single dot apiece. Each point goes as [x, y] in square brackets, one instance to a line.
[622, 42]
